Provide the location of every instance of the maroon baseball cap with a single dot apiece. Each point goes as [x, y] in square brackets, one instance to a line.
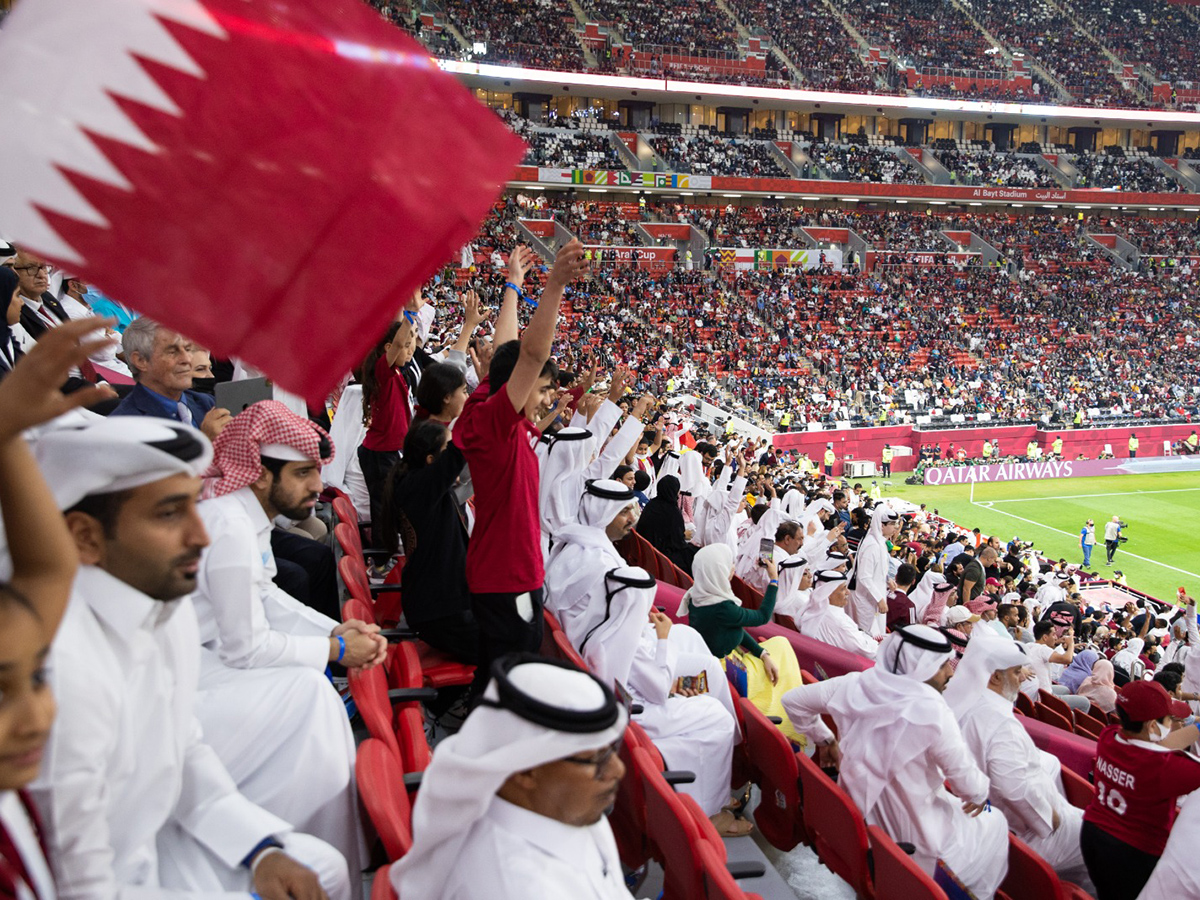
[1146, 700]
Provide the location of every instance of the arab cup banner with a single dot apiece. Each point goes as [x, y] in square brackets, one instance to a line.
[271, 178]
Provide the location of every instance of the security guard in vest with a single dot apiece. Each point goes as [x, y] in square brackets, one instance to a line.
[1056, 447]
[1133, 446]
[829, 459]
[886, 460]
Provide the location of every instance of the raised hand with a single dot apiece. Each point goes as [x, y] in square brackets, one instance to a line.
[520, 261]
[31, 394]
[569, 264]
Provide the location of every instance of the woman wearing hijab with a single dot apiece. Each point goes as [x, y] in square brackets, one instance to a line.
[10, 298]
[1079, 670]
[662, 524]
[693, 485]
[1100, 687]
[769, 668]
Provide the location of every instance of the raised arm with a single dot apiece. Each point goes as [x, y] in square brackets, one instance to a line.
[43, 554]
[473, 315]
[507, 326]
[538, 338]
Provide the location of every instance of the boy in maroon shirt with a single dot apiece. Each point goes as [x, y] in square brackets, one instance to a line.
[497, 437]
[1139, 777]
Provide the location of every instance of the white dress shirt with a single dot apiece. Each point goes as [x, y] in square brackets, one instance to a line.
[515, 854]
[247, 620]
[128, 780]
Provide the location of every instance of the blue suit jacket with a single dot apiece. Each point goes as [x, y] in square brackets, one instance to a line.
[142, 401]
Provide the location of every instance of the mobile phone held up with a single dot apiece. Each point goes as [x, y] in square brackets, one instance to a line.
[766, 549]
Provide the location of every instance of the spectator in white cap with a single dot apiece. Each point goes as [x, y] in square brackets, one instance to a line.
[1026, 783]
[134, 801]
[265, 702]
[513, 806]
[903, 760]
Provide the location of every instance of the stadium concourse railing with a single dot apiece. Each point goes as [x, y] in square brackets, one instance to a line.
[1054, 727]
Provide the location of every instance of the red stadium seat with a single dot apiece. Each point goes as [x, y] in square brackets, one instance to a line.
[1052, 717]
[628, 818]
[1024, 704]
[370, 692]
[779, 815]
[1056, 703]
[838, 831]
[718, 883]
[1087, 725]
[677, 828]
[1029, 876]
[897, 877]
[381, 887]
[385, 797]
[1077, 789]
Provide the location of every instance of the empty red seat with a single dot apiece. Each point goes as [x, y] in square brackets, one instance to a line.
[385, 797]
[836, 827]
[779, 815]
[897, 877]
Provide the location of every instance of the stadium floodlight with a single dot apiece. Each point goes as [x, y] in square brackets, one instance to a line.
[1017, 205]
[731, 195]
[597, 191]
[810, 198]
[975, 203]
[901, 201]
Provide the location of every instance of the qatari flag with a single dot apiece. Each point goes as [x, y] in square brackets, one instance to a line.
[272, 178]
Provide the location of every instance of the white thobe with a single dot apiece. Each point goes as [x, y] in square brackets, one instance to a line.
[916, 806]
[1049, 593]
[270, 712]
[347, 432]
[870, 585]
[692, 733]
[715, 524]
[1188, 655]
[135, 804]
[514, 854]
[1026, 784]
[836, 628]
[1175, 877]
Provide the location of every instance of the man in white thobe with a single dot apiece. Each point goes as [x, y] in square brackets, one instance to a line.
[513, 805]
[271, 713]
[825, 617]
[626, 640]
[135, 803]
[1026, 783]
[871, 572]
[900, 747]
[714, 519]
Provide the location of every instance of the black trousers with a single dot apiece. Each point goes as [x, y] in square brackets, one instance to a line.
[502, 630]
[1111, 547]
[1118, 870]
[887, 469]
[457, 635]
[375, 467]
[306, 571]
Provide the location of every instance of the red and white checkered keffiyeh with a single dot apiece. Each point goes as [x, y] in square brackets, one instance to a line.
[237, 450]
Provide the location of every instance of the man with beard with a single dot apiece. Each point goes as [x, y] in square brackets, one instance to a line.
[265, 703]
[902, 757]
[135, 801]
[1025, 783]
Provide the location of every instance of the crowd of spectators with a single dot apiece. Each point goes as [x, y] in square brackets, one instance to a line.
[1116, 172]
[847, 162]
[538, 35]
[1161, 35]
[991, 168]
[926, 33]
[815, 41]
[685, 25]
[567, 149]
[705, 154]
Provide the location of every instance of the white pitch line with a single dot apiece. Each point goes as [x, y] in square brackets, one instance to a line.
[1098, 546]
[1082, 496]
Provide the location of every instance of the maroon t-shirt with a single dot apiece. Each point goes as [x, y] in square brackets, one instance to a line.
[1137, 787]
[505, 552]
[390, 415]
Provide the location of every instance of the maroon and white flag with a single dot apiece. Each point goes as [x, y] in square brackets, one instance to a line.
[271, 178]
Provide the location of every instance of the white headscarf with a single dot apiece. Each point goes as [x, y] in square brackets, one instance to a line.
[469, 767]
[561, 478]
[691, 476]
[710, 579]
[889, 715]
[986, 652]
[923, 592]
[824, 584]
[670, 466]
[582, 553]
[610, 644]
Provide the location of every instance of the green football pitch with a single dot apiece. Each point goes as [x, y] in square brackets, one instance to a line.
[1162, 513]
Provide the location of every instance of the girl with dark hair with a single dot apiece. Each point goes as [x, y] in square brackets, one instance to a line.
[387, 409]
[442, 393]
[32, 603]
[423, 515]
